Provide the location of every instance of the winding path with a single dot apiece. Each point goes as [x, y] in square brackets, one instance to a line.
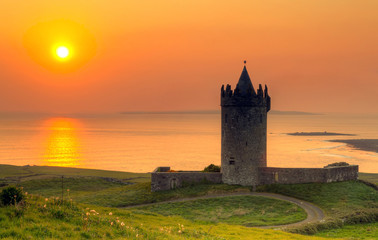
[314, 213]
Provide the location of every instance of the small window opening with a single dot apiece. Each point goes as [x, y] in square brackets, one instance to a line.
[232, 162]
[173, 183]
[246, 143]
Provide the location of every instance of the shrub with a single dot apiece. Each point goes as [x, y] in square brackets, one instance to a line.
[337, 164]
[11, 196]
[212, 168]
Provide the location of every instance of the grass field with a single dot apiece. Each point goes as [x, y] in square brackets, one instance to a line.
[349, 202]
[356, 231]
[51, 219]
[369, 177]
[344, 203]
[17, 174]
[240, 210]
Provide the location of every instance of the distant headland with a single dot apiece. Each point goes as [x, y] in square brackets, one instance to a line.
[325, 133]
[370, 145]
[274, 112]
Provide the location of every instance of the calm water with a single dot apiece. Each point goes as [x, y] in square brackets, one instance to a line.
[140, 142]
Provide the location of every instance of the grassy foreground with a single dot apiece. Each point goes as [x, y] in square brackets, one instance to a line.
[357, 231]
[238, 210]
[347, 204]
[51, 218]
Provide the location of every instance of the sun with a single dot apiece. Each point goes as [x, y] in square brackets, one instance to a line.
[62, 52]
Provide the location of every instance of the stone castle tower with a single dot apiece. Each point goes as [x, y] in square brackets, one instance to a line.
[243, 160]
[244, 129]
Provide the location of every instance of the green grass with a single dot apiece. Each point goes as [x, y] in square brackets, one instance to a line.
[239, 210]
[343, 202]
[335, 198]
[101, 192]
[357, 231]
[369, 177]
[15, 174]
[52, 219]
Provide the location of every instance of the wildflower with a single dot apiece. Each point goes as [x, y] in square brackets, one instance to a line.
[92, 211]
[111, 223]
[68, 190]
[85, 219]
[110, 213]
[117, 221]
[117, 218]
[46, 199]
[141, 224]
[87, 213]
[137, 235]
[44, 206]
[26, 193]
[122, 224]
[179, 231]
[15, 196]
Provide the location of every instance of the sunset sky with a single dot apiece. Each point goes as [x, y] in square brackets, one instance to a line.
[314, 55]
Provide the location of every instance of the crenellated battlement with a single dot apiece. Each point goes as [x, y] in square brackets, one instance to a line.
[248, 98]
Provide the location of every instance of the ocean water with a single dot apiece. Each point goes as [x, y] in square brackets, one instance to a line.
[139, 142]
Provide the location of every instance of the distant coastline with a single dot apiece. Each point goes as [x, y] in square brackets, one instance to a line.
[325, 133]
[370, 145]
[274, 112]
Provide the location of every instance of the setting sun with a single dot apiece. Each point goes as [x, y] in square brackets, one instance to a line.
[62, 52]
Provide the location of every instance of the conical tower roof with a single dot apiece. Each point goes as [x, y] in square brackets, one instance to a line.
[244, 85]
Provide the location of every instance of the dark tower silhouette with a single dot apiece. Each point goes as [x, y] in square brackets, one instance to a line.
[244, 126]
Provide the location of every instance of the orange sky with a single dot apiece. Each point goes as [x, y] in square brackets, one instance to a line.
[314, 55]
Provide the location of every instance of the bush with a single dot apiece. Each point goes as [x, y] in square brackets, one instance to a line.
[337, 164]
[212, 168]
[11, 196]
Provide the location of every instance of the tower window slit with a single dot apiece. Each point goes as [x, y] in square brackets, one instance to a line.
[225, 118]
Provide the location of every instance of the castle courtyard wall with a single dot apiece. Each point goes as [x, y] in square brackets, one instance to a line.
[271, 175]
[163, 179]
[170, 180]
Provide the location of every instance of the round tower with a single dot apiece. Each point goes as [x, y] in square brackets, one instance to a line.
[244, 123]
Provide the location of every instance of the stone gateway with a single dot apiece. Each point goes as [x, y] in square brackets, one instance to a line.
[243, 147]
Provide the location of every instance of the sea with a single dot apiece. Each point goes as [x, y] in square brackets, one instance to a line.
[142, 141]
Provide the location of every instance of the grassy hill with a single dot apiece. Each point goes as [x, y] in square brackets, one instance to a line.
[51, 218]
[345, 203]
[16, 174]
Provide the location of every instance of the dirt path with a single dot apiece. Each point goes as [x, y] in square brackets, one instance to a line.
[314, 213]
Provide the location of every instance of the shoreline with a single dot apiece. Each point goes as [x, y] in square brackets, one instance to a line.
[370, 145]
[325, 133]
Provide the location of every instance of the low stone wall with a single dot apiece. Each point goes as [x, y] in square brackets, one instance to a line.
[270, 175]
[162, 179]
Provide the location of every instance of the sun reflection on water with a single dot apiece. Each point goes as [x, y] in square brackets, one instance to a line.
[62, 148]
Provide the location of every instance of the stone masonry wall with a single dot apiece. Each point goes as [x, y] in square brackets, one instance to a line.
[170, 180]
[270, 175]
[243, 144]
